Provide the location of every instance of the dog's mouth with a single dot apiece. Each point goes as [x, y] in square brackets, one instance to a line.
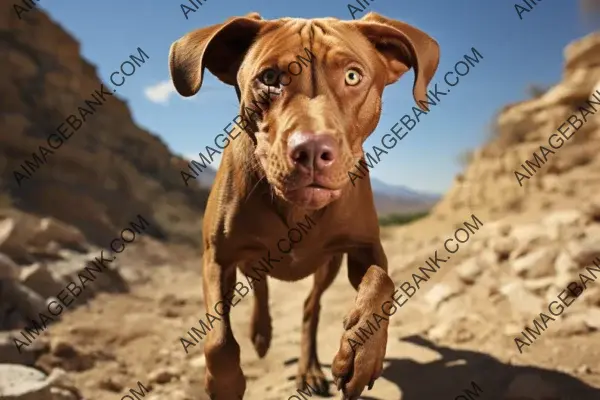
[314, 195]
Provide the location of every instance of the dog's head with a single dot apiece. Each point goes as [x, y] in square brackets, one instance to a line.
[310, 90]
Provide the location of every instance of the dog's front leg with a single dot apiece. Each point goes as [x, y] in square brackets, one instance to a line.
[359, 361]
[224, 378]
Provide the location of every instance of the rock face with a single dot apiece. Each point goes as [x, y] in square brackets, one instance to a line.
[489, 186]
[109, 170]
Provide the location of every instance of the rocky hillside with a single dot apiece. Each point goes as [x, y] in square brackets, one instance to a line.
[109, 170]
[489, 185]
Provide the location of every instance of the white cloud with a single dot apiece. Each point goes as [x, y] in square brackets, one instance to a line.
[161, 92]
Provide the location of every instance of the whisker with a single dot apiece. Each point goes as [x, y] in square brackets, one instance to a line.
[254, 188]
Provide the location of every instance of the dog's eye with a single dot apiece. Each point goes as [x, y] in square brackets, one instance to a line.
[270, 77]
[353, 77]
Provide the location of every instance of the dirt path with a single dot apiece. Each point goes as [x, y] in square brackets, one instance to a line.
[448, 335]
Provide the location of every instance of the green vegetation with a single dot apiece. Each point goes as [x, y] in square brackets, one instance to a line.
[464, 158]
[401, 219]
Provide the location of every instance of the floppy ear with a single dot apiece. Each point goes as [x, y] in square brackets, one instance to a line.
[220, 48]
[402, 46]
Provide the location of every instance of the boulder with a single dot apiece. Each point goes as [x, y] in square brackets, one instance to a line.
[38, 278]
[9, 354]
[11, 242]
[583, 53]
[18, 382]
[50, 230]
[62, 387]
[8, 269]
[26, 301]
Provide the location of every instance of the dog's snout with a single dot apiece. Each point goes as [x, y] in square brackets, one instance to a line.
[312, 151]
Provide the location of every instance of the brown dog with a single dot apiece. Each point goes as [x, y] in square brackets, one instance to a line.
[293, 162]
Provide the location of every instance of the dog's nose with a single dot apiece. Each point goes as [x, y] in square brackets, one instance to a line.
[312, 151]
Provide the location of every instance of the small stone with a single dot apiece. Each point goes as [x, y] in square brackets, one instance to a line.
[592, 209]
[521, 299]
[592, 231]
[585, 252]
[529, 234]
[58, 377]
[564, 264]
[64, 350]
[440, 293]
[198, 362]
[539, 285]
[504, 246]
[504, 228]
[538, 264]
[592, 297]
[591, 317]
[111, 384]
[569, 327]
[62, 394]
[469, 270]
[583, 370]
[162, 376]
[568, 218]
[62, 386]
[487, 259]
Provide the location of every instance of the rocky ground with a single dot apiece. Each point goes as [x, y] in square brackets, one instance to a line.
[458, 328]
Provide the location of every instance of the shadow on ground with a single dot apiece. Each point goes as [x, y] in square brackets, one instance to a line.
[448, 377]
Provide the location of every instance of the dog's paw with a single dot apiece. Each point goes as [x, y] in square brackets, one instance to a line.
[233, 387]
[260, 335]
[313, 380]
[359, 361]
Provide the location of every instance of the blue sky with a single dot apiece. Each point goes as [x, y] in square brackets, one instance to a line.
[516, 53]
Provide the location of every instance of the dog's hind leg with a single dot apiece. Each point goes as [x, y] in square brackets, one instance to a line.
[260, 328]
[224, 378]
[309, 369]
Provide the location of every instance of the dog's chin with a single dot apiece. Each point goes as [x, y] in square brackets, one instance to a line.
[312, 197]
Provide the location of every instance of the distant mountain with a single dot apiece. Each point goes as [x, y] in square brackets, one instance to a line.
[389, 199]
[398, 199]
[401, 191]
[207, 177]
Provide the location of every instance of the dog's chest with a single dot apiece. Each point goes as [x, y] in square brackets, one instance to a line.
[298, 263]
